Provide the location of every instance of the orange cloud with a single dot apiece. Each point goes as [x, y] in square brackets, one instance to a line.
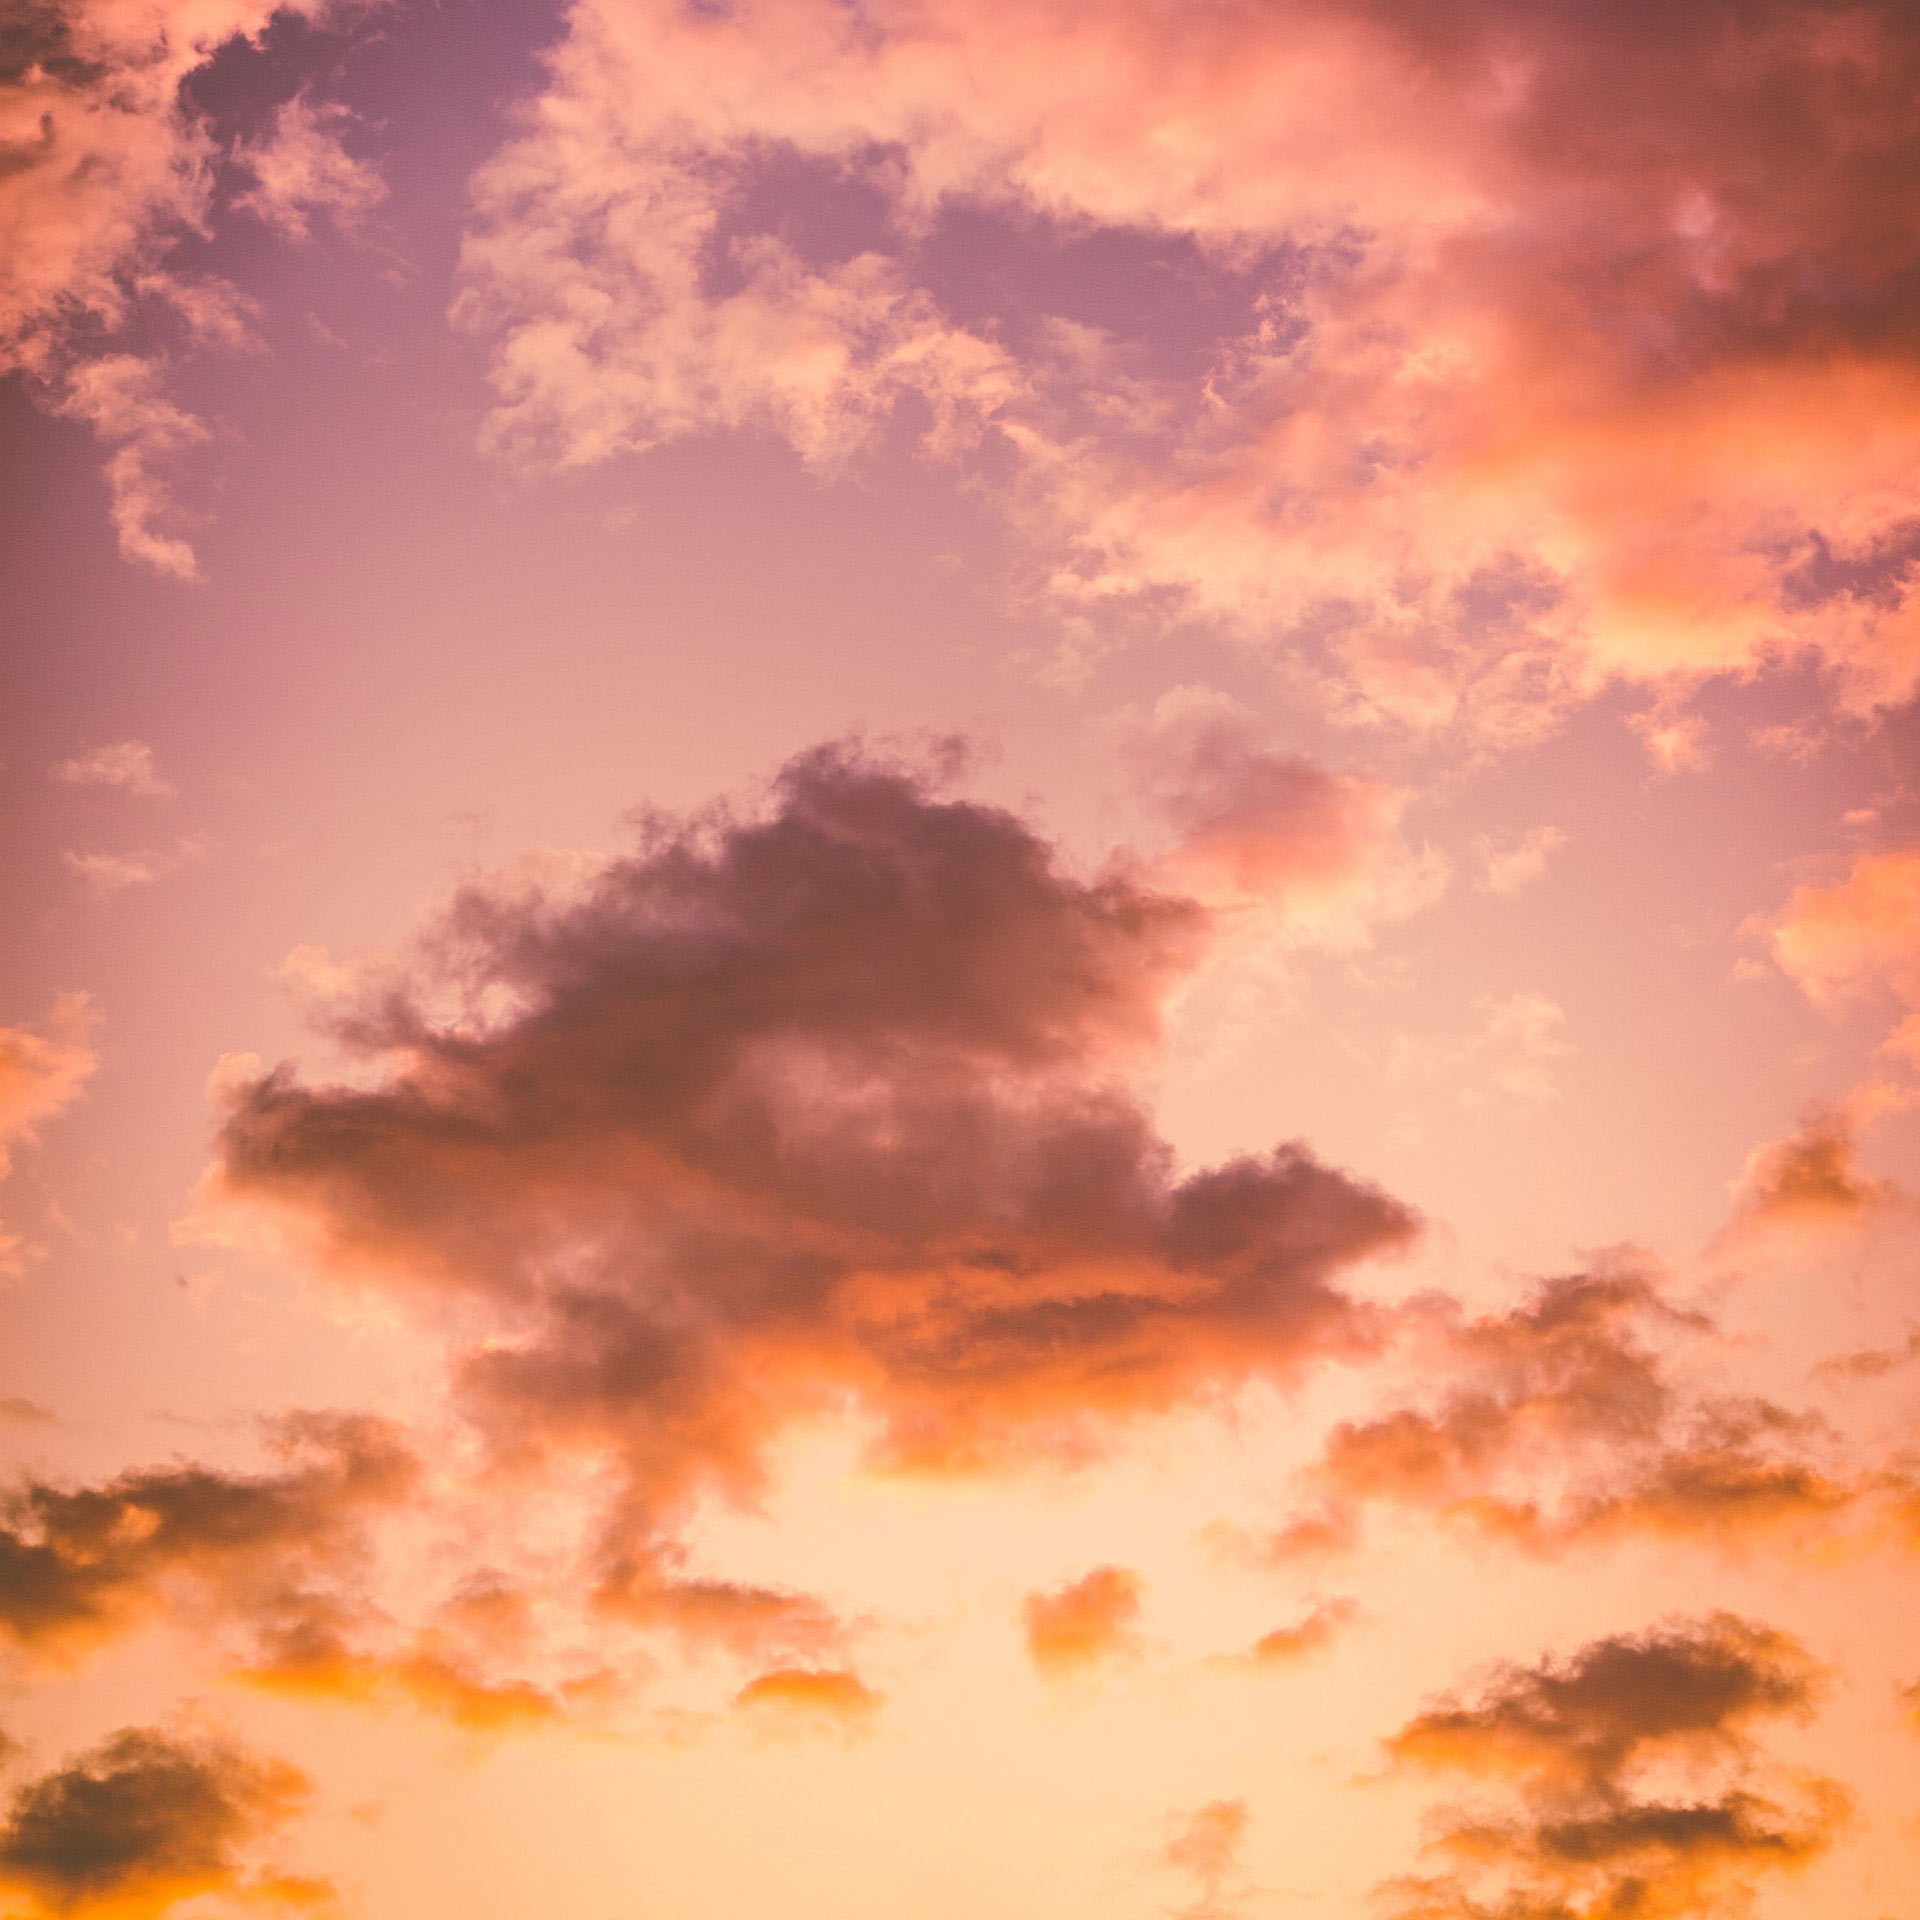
[1580, 1742]
[1565, 1392]
[147, 1821]
[802, 1699]
[1860, 938]
[1083, 1624]
[308, 1658]
[78, 1566]
[40, 1074]
[1810, 1183]
[1285, 1646]
[783, 1111]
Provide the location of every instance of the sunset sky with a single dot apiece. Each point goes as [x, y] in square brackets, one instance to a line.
[962, 960]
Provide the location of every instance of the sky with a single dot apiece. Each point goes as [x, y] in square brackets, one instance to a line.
[960, 959]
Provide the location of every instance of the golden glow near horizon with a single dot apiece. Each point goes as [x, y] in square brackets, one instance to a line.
[966, 959]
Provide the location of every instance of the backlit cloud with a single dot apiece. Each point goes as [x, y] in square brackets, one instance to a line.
[81, 1564]
[1563, 1421]
[779, 1112]
[1635, 1777]
[147, 1821]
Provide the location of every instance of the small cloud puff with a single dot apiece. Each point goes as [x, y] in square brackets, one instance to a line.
[127, 766]
[1084, 1624]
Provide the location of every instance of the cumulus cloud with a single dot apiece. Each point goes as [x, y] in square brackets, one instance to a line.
[782, 1113]
[1562, 1421]
[1537, 349]
[146, 1821]
[79, 1565]
[127, 766]
[1592, 1749]
[1085, 1623]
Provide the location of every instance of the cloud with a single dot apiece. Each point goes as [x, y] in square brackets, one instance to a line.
[808, 1699]
[127, 766]
[1509, 862]
[1874, 1362]
[104, 166]
[1086, 1623]
[1527, 349]
[122, 398]
[1273, 842]
[815, 1109]
[1579, 1743]
[1207, 1846]
[308, 1656]
[1811, 1182]
[81, 1565]
[148, 1820]
[1860, 939]
[302, 168]
[1560, 1423]
[108, 874]
[42, 1073]
[1286, 1646]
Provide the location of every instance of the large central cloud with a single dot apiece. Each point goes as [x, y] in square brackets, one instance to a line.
[783, 1113]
